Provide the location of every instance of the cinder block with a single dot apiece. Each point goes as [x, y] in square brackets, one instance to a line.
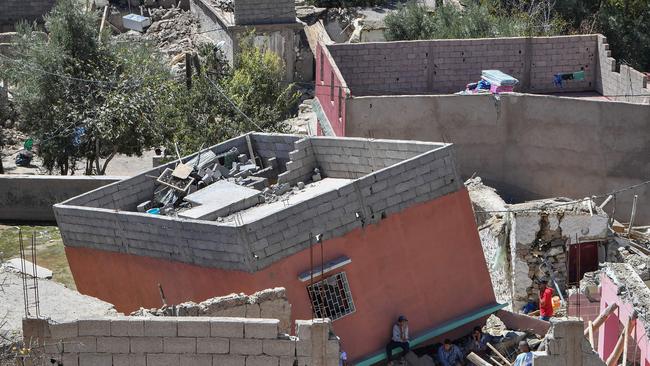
[95, 359]
[70, 359]
[127, 327]
[245, 346]
[228, 360]
[64, 330]
[261, 328]
[262, 361]
[80, 345]
[227, 327]
[179, 345]
[146, 344]
[196, 360]
[212, 345]
[163, 359]
[131, 359]
[95, 327]
[279, 347]
[160, 327]
[303, 347]
[194, 327]
[113, 344]
[288, 361]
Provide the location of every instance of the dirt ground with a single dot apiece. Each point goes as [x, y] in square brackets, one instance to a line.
[49, 249]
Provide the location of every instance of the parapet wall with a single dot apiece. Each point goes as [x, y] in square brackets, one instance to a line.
[620, 82]
[446, 66]
[30, 197]
[526, 146]
[257, 244]
[171, 341]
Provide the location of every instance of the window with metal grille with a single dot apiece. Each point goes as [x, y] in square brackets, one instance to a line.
[331, 297]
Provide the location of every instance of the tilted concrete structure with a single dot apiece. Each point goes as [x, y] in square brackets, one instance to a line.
[386, 213]
[589, 136]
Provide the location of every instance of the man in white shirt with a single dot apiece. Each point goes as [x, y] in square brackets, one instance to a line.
[400, 338]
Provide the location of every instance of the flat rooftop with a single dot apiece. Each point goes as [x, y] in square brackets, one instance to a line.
[267, 196]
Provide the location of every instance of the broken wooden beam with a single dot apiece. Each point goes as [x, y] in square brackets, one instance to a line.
[476, 360]
[590, 330]
[600, 319]
[499, 354]
[633, 215]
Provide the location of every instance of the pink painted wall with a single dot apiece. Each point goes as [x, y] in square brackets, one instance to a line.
[327, 74]
[425, 262]
[610, 331]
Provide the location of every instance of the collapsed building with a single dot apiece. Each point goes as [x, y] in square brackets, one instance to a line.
[339, 217]
[586, 135]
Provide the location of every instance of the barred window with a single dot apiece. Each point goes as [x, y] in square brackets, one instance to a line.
[331, 297]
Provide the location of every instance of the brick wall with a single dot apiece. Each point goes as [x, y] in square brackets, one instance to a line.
[264, 11]
[620, 82]
[394, 175]
[446, 66]
[13, 11]
[331, 92]
[170, 341]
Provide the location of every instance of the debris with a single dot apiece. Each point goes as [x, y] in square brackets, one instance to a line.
[316, 176]
[182, 171]
[17, 265]
[136, 22]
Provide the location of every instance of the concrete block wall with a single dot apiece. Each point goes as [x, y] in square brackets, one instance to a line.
[365, 201]
[567, 346]
[273, 145]
[13, 11]
[249, 12]
[420, 172]
[181, 341]
[620, 83]
[446, 66]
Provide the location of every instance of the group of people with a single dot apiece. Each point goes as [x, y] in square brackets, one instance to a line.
[450, 354]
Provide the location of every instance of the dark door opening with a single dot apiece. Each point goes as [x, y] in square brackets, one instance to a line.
[583, 258]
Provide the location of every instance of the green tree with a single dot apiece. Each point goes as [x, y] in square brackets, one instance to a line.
[81, 97]
[224, 102]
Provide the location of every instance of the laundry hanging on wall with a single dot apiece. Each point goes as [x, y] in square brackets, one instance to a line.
[558, 79]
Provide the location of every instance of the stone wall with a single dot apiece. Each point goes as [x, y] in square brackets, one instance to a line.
[389, 189]
[13, 11]
[620, 82]
[446, 66]
[188, 341]
[270, 303]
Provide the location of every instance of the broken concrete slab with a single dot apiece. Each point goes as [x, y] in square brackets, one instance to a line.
[27, 267]
[219, 199]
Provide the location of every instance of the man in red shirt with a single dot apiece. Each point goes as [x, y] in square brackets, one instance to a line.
[545, 301]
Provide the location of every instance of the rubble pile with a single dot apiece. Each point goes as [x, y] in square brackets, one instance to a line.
[225, 5]
[270, 303]
[172, 30]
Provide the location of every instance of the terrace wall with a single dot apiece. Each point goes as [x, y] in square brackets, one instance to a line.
[527, 146]
[446, 66]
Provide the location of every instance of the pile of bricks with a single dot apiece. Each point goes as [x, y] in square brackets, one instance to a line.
[182, 341]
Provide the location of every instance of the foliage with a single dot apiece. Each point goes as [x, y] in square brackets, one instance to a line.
[81, 98]
[214, 108]
[476, 20]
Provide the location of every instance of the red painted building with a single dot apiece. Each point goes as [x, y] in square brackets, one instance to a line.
[389, 230]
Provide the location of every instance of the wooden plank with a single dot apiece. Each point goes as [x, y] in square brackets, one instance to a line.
[600, 319]
[633, 216]
[476, 360]
[590, 328]
[103, 23]
[499, 354]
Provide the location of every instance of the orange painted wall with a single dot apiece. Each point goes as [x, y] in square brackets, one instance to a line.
[425, 262]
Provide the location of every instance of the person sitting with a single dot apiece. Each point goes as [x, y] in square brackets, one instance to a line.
[478, 342]
[400, 339]
[525, 358]
[449, 354]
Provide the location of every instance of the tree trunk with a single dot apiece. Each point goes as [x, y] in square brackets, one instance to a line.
[108, 160]
[97, 156]
[2, 169]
